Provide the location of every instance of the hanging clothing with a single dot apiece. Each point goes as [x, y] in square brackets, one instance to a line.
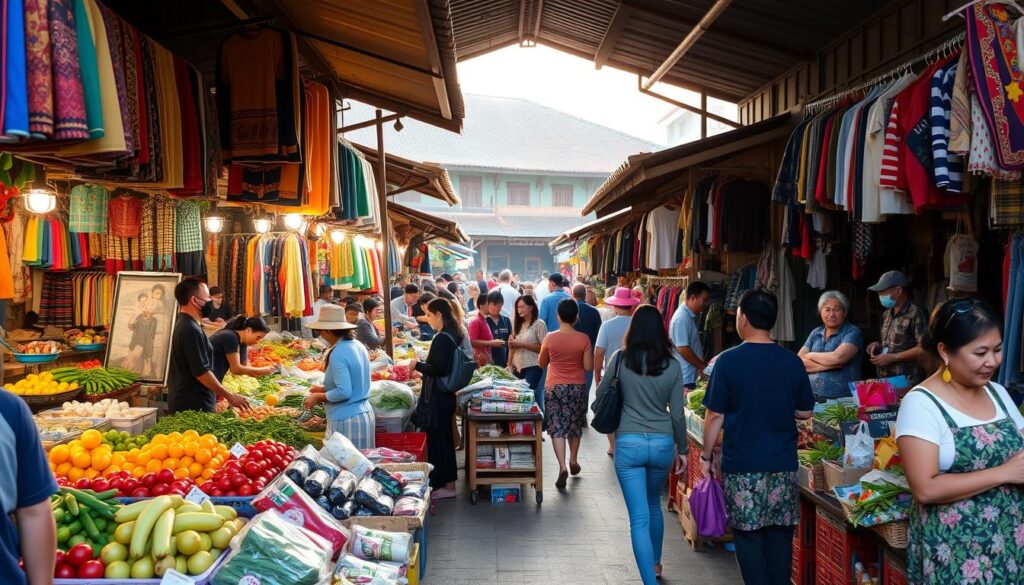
[88, 209]
[998, 78]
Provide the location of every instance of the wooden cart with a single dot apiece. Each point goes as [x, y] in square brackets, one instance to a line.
[478, 477]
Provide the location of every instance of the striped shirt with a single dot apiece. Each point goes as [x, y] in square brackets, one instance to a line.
[948, 167]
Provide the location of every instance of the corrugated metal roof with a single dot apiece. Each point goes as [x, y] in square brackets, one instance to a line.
[509, 134]
[751, 43]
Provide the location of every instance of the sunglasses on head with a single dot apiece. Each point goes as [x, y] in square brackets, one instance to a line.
[961, 307]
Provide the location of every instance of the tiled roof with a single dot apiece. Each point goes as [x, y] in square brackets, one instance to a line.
[482, 225]
[510, 134]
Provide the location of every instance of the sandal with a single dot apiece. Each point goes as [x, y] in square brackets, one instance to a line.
[562, 478]
[657, 571]
[575, 468]
[611, 453]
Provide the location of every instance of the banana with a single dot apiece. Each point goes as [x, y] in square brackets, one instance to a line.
[200, 522]
[162, 534]
[144, 525]
[130, 512]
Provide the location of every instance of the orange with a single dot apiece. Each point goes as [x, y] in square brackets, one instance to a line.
[91, 439]
[75, 474]
[195, 470]
[111, 469]
[153, 466]
[143, 458]
[175, 450]
[208, 441]
[118, 459]
[158, 439]
[159, 451]
[207, 473]
[91, 473]
[174, 437]
[138, 472]
[128, 466]
[190, 434]
[132, 454]
[203, 456]
[181, 473]
[81, 460]
[59, 454]
[64, 468]
[170, 463]
[191, 447]
[185, 461]
[216, 462]
[53, 467]
[100, 460]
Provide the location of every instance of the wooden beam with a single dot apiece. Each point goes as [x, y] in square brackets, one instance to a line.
[688, 42]
[426, 23]
[385, 234]
[688, 107]
[536, 19]
[368, 123]
[611, 36]
[235, 9]
[703, 115]
[522, 18]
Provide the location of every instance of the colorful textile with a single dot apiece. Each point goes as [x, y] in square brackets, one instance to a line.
[70, 121]
[758, 500]
[565, 406]
[187, 227]
[15, 119]
[87, 63]
[125, 216]
[974, 540]
[998, 79]
[1006, 203]
[38, 68]
[88, 209]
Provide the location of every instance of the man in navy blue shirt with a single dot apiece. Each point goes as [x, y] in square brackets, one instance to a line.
[588, 322]
[500, 326]
[26, 484]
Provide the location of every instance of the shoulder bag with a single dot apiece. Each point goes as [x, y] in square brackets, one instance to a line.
[462, 369]
[608, 406]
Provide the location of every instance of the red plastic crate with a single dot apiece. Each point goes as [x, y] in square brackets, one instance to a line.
[803, 536]
[893, 571]
[836, 549]
[414, 443]
[803, 571]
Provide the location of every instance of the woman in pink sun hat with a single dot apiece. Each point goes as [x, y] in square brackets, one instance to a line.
[610, 337]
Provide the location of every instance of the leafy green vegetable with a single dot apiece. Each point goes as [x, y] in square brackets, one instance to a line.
[823, 450]
[836, 414]
[390, 396]
[491, 371]
[296, 401]
[695, 402]
[230, 429]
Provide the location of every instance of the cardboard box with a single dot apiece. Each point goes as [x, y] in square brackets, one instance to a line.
[837, 475]
[812, 478]
[503, 493]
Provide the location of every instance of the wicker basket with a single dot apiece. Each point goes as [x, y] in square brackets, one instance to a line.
[128, 390]
[40, 401]
[894, 533]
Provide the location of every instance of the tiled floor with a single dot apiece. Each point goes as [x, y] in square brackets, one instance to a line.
[580, 535]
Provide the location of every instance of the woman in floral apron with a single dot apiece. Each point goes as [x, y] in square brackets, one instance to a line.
[961, 446]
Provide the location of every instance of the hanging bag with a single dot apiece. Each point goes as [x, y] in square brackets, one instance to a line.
[461, 373]
[608, 406]
[963, 260]
[707, 504]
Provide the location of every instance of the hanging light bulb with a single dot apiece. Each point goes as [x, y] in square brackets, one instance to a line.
[360, 241]
[337, 236]
[39, 197]
[304, 228]
[293, 221]
[262, 225]
[320, 230]
[214, 221]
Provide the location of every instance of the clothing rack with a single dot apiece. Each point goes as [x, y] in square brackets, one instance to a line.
[945, 49]
[667, 279]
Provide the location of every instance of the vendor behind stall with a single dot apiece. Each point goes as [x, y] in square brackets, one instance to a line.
[903, 326]
[231, 347]
[365, 331]
[831, 354]
[346, 388]
[191, 383]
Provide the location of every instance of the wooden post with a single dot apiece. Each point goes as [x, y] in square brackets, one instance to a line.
[703, 114]
[385, 236]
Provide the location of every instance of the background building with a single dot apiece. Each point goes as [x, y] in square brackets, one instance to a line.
[522, 170]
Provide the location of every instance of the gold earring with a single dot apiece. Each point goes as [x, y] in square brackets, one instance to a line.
[947, 377]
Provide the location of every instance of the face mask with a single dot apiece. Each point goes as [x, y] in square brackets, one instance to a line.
[206, 310]
[887, 301]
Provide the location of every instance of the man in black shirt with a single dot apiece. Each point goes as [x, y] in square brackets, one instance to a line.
[191, 384]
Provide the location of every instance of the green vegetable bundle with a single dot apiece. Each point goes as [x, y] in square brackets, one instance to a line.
[836, 414]
[877, 501]
[230, 429]
[84, 516]
[823, 450]
[491, 371]
[390, 396]
[296, 401]
[695, 402]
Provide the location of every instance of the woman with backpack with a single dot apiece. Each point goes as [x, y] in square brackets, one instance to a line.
[436, 406]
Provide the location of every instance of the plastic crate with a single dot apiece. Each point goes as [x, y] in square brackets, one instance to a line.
[693, 466]
[242, 505]
[836, 549]
[894, 571]
[413, 443]
[202, 579]
[803, 536]
[803, 568]
[140, 420]
[392, 422]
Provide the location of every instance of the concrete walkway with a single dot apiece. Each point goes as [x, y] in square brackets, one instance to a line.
[580, 535]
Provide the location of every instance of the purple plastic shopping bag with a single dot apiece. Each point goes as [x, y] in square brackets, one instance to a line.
[707, 504]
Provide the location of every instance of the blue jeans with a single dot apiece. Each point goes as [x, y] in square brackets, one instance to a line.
[642, 464]
[533, 375]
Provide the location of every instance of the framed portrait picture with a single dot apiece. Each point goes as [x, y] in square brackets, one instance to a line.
[140, 331]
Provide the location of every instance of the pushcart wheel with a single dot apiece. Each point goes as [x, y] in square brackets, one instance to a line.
[473, 497]
[540, 497]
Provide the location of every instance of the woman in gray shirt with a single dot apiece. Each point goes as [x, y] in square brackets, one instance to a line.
[649, 437]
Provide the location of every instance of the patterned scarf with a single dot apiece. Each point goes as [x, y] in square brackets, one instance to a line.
[68, 95]
[999, 81]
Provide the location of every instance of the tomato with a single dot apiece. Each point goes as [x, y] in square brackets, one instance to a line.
[233, 466]
[83, 484]
[231, 494]
[246, 490]
[100, 485]
[165, 476]
[216, 492]
[224, 483]
[140, 492]
[259, 484]
[149, 480]
[252, 470]
[238, 480]
[91, 570]
[60, 556]
[160, 489]
[129, 484]
[116, 483]
[64, 571]
[79, 554]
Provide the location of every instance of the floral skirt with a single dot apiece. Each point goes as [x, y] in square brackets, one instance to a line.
[757, 500]
[565, 409]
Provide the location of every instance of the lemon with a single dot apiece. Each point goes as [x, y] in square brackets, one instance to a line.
[73, 386]
[63, 387]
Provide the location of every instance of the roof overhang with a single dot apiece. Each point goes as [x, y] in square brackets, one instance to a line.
[408, 175]
[429, 225]
[596, 225]
[638, 179]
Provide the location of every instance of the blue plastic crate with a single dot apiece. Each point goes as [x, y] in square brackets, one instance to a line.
[242, 505]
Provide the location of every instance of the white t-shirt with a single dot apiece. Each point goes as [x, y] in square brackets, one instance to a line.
[510, 295]
[919, 417]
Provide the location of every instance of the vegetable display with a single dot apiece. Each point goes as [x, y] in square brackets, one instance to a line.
[148, 485]
[249, 475]
[243, 384]
[231, 429]
[106, 408]
[390, 396]
[878, 502]
[823, 450]
[96, 381]
[491, 371]
[40, 347]
[40, 385]
[835, 414]
[84, 517]
[695, 402]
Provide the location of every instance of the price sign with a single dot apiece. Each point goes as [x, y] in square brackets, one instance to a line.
[239, 451]
[196, 496]
[172, 577]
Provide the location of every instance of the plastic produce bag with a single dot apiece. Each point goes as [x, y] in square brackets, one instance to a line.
[414, 490]
[391, 484]
[358, 570]
[385, 455]
[408, 506]
[317, 483]
[707, 503]
[389, 396]
[299, 470]
[272, 550]
[370, 495]
[298, 508]
[342, 488]
[380, 545]
[339, 449]
[860, 448]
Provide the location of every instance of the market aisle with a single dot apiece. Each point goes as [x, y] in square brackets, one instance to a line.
[579, 536]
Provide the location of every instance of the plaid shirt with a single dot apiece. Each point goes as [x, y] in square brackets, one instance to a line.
[901, 332]
[187, 231]
[1007, 202]
[88, 213]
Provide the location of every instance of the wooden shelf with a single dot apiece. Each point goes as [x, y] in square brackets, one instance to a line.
[516, 470]
[518, 439]
[520, 479]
